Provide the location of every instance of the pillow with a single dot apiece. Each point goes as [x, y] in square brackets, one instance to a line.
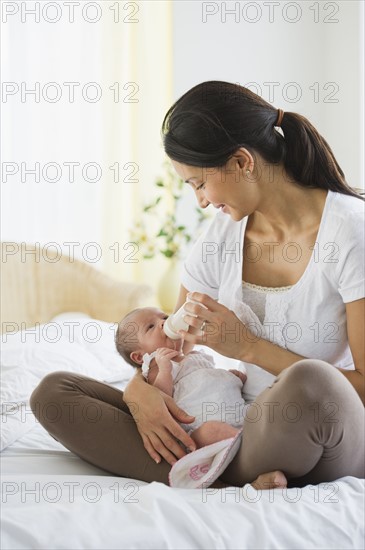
[72, 342]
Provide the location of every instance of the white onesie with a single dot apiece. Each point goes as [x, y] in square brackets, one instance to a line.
[206, 392]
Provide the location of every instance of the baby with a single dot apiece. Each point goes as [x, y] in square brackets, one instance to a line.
[210, 394]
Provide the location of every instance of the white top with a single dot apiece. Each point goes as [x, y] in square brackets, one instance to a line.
[310, 317]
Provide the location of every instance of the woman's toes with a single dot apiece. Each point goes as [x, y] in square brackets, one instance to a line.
[279, 479]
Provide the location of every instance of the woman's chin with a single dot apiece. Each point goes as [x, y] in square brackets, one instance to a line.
[236, 215]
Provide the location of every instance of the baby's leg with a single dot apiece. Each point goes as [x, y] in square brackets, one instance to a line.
[211, 432]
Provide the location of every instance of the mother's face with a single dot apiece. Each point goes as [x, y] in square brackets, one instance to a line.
[225, 187]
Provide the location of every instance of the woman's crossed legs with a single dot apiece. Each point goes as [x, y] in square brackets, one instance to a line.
[309, 424]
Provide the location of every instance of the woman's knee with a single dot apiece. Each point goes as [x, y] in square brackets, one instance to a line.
[310, 370]
[316, 379]
[45, 394]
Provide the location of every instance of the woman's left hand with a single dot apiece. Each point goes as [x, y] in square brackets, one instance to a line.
[217, 327]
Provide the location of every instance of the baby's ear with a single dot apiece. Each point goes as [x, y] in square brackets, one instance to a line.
[137, 357]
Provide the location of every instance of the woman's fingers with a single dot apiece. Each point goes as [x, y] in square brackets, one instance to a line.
[159, 430]
[195, 322]
[210, 311]
[206, 300]
[163, 444]
[218, 328]
[157, 449]
[157, 420]
[174, 428]
[199, 311]
[176, 411]
[167, 447]
[149, 448]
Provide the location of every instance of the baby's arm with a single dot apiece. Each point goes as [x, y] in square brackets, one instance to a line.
[163, 380]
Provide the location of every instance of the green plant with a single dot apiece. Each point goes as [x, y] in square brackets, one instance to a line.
[158, 230]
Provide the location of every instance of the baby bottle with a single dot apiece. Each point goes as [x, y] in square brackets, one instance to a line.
[176, 322]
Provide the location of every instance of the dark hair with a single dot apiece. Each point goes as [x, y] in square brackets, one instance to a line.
[212, 120]
[124, 342]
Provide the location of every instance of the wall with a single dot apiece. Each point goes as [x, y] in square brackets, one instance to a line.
[301, 56]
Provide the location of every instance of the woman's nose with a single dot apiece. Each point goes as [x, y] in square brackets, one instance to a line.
[202, 201]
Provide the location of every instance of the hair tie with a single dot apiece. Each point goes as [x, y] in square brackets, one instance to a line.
[279, 120]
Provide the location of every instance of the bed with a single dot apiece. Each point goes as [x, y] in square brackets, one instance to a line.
[51, 499]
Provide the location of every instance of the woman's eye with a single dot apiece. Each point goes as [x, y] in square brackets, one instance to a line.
[201, 186]
[150, 326]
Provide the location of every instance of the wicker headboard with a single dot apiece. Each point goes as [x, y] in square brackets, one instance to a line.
[36, 286]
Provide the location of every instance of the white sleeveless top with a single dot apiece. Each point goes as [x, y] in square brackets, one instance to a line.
[255, 297]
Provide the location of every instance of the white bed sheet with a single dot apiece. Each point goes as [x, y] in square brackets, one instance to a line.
[51, 499]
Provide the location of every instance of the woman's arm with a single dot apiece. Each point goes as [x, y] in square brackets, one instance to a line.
[228, 335]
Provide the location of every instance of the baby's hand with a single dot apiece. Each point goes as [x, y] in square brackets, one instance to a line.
[163, 358]
[241, 375]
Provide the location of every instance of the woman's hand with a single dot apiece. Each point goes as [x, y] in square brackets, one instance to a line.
[155, 414]
[220, 328]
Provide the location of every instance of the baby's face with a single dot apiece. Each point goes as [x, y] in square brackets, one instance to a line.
[148, 327]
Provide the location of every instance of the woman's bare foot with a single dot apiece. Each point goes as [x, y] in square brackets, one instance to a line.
[271, 480]
[211, 432]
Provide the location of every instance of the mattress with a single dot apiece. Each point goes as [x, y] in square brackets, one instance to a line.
[51, 499]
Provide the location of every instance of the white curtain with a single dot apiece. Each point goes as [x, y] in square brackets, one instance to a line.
[142, 59]
[85, 88]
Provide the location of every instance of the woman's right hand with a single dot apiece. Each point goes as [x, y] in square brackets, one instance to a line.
[155, 414]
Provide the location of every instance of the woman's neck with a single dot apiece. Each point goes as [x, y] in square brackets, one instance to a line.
[285, 208]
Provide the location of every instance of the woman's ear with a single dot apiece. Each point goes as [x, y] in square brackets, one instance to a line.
[244, 159]
[137, 357]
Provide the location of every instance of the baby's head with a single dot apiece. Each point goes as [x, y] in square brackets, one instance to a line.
[140, 332]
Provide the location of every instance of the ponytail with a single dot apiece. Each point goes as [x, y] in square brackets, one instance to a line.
[212, 120]
[309, 159]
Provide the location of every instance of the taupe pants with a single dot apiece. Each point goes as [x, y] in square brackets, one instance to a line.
[309, 424]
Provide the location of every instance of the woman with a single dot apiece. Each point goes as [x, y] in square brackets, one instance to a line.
[286, 249]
